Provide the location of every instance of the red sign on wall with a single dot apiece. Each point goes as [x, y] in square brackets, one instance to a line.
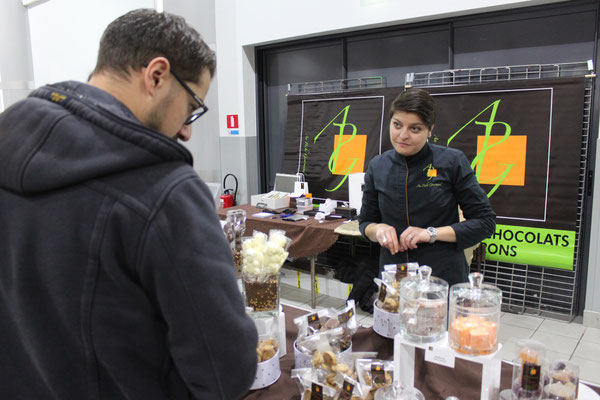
[232, 121]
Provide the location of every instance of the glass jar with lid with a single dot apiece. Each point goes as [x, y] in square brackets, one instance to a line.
[396, 391]
[423, 307]
[474, 316]
[529, 370]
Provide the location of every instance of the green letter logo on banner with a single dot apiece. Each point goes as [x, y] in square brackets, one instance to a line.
[333, 160]
[477, 162]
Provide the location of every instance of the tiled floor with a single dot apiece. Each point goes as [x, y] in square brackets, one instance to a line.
[569, 341]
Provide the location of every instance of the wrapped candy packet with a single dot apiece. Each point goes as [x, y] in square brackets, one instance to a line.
[388, 298]
[268, 369]
[333, 386]
[268, 333]
[374, 374]
[389, 284]
[308, 380]
[234, 228]
[338, 326]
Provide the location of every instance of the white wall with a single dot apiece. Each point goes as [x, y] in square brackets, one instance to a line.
[591, 314]
[16, 73]
[243, 24]
[65, 35]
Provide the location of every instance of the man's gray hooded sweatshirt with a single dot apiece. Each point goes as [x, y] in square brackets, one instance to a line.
[116, 281]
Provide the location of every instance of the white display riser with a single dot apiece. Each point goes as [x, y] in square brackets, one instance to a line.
[441, 353]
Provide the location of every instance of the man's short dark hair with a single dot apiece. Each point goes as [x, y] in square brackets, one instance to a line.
[416, 101]
[134, 39]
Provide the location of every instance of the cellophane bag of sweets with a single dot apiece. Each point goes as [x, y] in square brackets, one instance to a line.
[389, 284]
[267, 350]
[374, 374]
[322, 384]
[234, 228]
[263, 256]
[330, 327]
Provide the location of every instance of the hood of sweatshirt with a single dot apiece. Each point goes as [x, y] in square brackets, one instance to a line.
[68, 133]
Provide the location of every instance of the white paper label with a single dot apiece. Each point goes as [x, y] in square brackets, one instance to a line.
[440, 356]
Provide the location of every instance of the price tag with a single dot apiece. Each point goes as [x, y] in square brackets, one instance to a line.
[346, 393]
[440, 356]
[382, 292]
[314, 322]
[345, 317]
[316, 392]
[401, 271]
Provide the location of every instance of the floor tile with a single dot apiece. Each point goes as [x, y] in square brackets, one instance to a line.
[591, 335]
[556, 355]
[513, 333]
[360, 311]
[324, 301]
[296, 295]
[589, 371]
[507, 352]
[571, 330]
[522, 321]
[285, 288]
[587, 350]
[366, 322]
[294, 303]
[556, 343]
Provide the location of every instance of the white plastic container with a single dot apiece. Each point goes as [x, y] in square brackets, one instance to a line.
[267, 373]
[385, 323]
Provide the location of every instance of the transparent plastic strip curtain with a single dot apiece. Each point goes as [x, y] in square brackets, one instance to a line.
[530, 289]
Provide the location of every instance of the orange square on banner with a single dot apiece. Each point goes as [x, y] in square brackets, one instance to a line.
[513, 150]
[351, 150]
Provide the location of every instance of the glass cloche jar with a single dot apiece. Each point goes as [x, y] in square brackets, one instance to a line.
[474, 316]
[398, 392]
[423, 307]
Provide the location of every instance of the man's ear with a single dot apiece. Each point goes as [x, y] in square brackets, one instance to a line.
[155, 73]
[431, 130]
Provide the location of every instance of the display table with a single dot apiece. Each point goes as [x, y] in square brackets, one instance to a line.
[309, 237]
[434, 380]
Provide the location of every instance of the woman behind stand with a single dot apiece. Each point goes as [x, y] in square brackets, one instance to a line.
[412, 193]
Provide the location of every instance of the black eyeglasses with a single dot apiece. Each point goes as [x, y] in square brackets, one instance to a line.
[202, 108]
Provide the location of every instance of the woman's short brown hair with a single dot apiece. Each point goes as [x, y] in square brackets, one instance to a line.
[416, 101]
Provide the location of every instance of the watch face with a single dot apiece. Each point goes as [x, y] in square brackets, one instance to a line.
[432, 234]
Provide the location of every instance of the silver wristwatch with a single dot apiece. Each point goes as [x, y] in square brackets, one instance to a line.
[432, 234]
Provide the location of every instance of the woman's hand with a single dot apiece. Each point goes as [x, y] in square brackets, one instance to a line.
[387, 237]
[411, 236]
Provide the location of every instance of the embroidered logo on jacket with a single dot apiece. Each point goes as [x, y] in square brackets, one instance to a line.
[430, 173]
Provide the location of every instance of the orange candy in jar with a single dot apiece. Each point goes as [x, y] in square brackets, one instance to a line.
[474, 316]
[474, 335]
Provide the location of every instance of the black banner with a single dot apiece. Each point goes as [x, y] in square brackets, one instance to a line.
[523, 139]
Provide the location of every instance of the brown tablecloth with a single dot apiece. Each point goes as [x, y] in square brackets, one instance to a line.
[435, 381]
[309, 237]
